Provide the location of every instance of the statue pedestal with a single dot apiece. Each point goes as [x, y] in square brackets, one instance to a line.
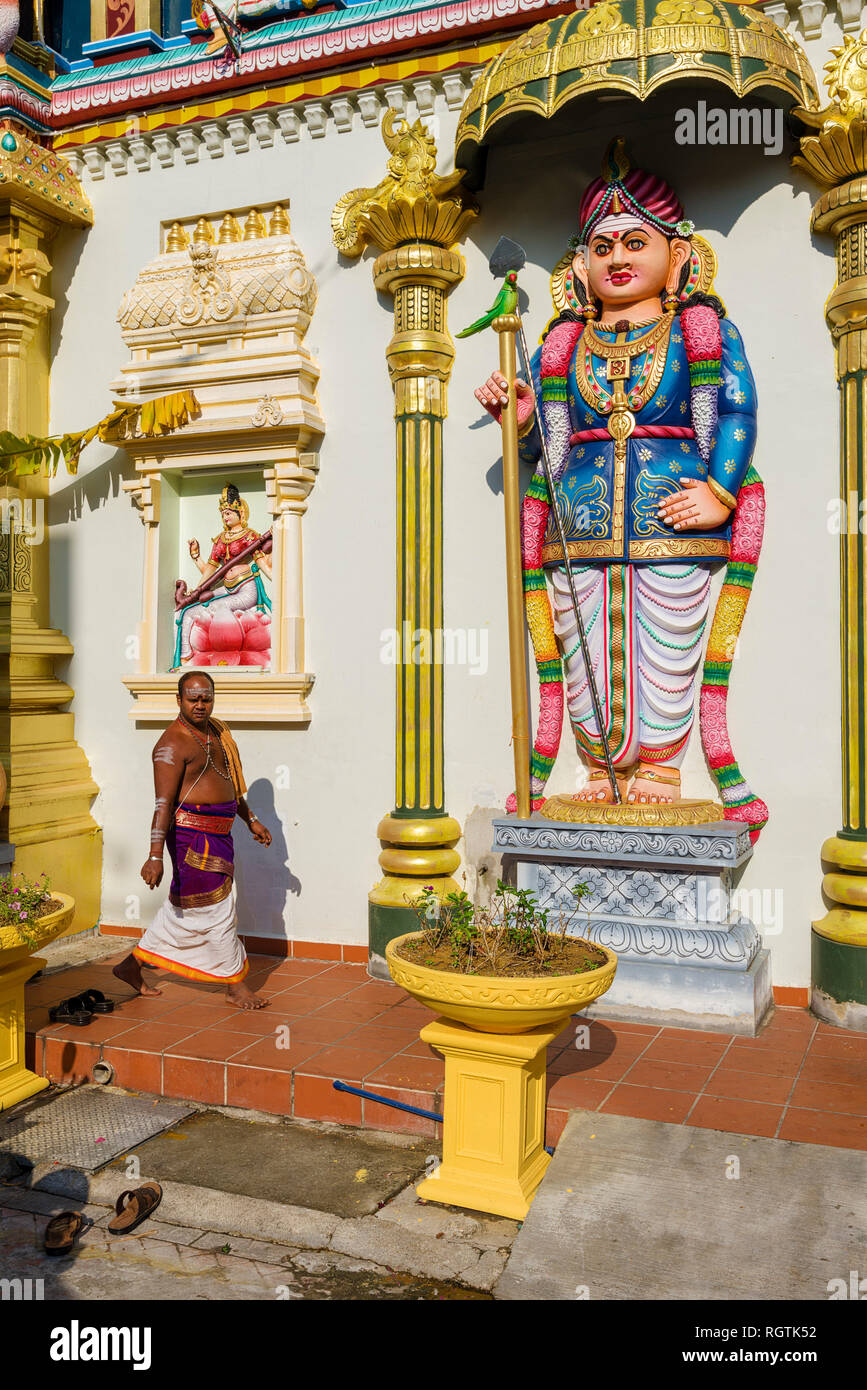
[661, 898]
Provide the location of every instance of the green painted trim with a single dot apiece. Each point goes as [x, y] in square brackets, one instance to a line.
[385, 923]
[839, 970]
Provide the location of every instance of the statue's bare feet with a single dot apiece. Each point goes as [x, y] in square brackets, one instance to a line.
[129, 970]
[598, 789]
[217, 42]
[244, 998]
[655, 787]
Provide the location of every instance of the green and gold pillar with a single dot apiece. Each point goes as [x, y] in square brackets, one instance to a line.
[50, 788]
[836, 157]
[415, 218]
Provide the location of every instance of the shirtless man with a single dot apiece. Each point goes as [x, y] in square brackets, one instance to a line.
[199, 790]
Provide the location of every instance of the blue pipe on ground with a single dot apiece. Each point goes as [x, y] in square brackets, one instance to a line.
[395, 1104]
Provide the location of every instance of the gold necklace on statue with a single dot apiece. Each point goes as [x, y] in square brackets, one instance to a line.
[618, 355]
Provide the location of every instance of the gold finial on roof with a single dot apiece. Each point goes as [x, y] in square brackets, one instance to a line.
[177, 239]
[254, 227]
[279, 225]
[230, 230]
[203, 231]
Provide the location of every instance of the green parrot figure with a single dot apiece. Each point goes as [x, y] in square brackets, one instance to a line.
[506, 302]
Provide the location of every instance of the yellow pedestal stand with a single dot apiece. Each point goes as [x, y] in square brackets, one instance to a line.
[494, 1121]
[17, 1082]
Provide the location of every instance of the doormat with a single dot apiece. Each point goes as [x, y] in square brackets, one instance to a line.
[85, 1128]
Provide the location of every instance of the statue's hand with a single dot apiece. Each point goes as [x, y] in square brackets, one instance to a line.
[194, 549]
[694, 509]
[494, 395]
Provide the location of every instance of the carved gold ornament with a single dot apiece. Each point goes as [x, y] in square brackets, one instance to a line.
[691, 812]
[412, 203]
[837, 151]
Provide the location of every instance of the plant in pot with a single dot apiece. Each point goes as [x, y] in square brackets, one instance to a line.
[31, 915]
[504, 981]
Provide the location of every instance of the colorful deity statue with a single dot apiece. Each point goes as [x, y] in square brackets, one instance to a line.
[227, 622]
[208, 17]
[649, 410]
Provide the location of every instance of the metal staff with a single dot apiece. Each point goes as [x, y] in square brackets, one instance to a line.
[508, 255]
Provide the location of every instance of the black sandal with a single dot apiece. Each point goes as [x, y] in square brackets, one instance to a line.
[95, 1000]
[72, 1011]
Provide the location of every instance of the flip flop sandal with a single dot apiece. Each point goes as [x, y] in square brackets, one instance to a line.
[71, 1011]
[95, 1000]
[63, 1230]
[142, 1201]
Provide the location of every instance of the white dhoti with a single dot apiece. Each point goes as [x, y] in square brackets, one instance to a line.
[199, 943]
[645, 626]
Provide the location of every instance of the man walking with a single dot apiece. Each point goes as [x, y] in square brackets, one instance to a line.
[199, 788]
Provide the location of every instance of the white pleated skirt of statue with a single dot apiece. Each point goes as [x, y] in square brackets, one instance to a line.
[645, 627]
[200, 943]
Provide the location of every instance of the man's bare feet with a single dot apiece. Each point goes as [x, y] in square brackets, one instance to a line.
[655, 787]
[243, 998]
[129, 970]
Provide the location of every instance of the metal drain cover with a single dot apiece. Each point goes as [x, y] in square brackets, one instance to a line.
[86, 1128]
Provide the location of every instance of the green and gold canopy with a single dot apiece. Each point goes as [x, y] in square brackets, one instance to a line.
[635, 47]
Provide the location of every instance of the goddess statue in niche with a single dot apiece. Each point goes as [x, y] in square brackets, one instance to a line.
[226, 621]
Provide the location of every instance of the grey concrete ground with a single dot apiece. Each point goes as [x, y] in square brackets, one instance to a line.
[355, 1231]
[636, 1209]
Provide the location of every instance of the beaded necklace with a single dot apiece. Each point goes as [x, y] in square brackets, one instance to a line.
[618, 354]
[209, 762]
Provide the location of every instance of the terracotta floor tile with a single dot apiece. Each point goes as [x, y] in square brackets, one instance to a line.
[376, 992]
[193, 1078]
[346, 1063]
[673, 1076]
[704, 1051]
[254, 1023]
[304, 969]
[211, 1044]
[592, 1064]
[320, 988]
[136, 1071]
[834, 1069]
[141, 1010]
[617, 1026]
[156, 1037]
[345, 1009]
[800, 1019]
[649, 1103]
[581, 1092]
[254, 1088]
[64, 1060]
[849, 1047]
[200, 1015]
[765, 1062]
[781, 1040]
[316, 1099]
[830, 1096]
[377, 1034]
[422, 1049]
[378, 1116]
[99, 1029]
[749, 1085]
[556, 1121]
[324, 1031]
[736, 1116]
[263, 1053]
[818, 1127]
[355, 974]
[412, 1073]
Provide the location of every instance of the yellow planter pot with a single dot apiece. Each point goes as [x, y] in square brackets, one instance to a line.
[496, 1004]
[16, 968]
[494, 1033]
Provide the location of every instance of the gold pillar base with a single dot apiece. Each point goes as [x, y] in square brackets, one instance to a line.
[17, 1082]
[494, 1118]
[845, 885]
[415, 854]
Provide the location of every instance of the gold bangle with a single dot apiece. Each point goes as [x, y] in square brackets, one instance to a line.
[652, 774]
[721, 495]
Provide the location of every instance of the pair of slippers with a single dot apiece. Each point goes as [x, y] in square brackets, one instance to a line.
[80, 1008]
[132, 1208]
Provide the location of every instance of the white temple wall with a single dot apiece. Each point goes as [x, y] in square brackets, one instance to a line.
[784, 702]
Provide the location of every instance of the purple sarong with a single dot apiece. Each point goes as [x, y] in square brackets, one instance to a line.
[199, 842]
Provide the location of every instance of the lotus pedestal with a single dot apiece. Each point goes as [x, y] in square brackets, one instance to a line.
[494, 1033]
[17, 966]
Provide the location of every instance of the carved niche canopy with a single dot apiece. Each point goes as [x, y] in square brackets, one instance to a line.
[222, 311]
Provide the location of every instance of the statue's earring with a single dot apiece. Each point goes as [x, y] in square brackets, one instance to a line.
[589, 311]
[670, 302]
